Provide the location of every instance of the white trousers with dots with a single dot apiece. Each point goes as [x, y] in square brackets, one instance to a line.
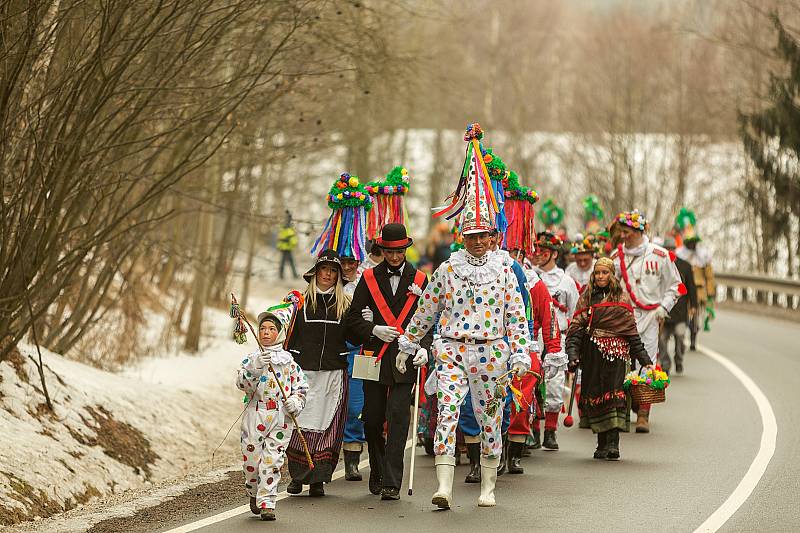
[265, 436]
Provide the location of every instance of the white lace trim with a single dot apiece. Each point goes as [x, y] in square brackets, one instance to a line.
[477, 274]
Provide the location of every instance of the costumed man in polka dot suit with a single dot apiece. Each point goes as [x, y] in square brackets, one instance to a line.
[477, 298]
[265, 423]
[652, 280]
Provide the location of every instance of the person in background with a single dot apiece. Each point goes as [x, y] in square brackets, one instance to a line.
[287, 242]
[675, 324]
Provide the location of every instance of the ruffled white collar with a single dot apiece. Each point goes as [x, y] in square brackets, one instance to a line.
[638, 250]
[490, 270]
[279, 355]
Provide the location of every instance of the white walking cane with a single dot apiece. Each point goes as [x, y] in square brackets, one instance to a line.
[414, 434]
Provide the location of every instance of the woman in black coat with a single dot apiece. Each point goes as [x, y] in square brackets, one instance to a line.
[317, 342]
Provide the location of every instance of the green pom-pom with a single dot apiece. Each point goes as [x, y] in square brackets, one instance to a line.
[497, 169]
[347, 191]
[592, 209]
[514, 191]
[551, 214]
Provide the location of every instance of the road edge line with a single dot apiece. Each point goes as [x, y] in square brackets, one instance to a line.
[766, 449]
[225, 515]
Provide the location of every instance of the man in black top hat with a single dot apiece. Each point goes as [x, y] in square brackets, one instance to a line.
[390, 290]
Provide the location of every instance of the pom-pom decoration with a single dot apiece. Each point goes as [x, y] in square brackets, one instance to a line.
[345, 230]
[521, 232]
[498, 174]
[568, 421]
[551, 214]
[473, 131]
[591, 244]
[388, 201]
[685, 223]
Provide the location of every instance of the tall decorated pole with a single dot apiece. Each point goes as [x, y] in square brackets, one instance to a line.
[519, 201]
[387, 197]
[346, 228]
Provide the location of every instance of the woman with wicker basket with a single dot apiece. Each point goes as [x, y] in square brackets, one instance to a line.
[602, 339]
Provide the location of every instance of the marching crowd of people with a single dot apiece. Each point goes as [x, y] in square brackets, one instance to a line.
[496, 326]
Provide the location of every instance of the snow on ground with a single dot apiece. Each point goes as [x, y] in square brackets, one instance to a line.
[111, 433]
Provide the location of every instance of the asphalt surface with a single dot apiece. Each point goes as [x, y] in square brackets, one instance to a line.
[702, 442]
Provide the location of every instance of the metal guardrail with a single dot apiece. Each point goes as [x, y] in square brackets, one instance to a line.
[760, 290]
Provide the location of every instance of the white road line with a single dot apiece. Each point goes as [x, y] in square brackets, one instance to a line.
[205, 522]
[766, 449]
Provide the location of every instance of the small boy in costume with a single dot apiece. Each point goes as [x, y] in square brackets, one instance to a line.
[265, 423]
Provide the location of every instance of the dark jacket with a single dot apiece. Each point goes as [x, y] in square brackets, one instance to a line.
[362, 299]
[318, 338]
[680, 311]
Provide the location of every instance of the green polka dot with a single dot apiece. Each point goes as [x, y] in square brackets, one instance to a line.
[453, 408]
[491, 301]
[279, 434]
[488, 324]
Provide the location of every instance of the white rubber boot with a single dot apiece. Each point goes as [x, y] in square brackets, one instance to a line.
[445, 469]
[488, 479]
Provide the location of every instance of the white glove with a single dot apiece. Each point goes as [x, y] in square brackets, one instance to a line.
[367, 315]
[421, 357]
[385, 333]
[293, 405]
[661, 313]
[265, 358]
[400, 361]
[519, 369]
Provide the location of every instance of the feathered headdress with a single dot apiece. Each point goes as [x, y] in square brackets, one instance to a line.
[345, 230]
[388, 201]
[473, 200]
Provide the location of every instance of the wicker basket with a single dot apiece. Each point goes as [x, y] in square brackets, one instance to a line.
[644, 394]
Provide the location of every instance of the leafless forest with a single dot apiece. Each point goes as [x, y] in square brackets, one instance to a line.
[148, 146]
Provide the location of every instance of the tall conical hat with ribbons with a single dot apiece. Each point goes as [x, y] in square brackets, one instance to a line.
[345, 230]
[473, 200]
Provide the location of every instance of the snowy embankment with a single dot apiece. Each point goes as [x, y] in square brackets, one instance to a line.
[111, 432]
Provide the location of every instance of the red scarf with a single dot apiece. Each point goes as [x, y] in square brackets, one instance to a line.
[624, 269]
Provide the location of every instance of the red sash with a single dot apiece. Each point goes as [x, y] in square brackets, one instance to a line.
[383, 307]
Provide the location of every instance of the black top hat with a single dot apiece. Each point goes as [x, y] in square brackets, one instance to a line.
[327, 256]
[394, 237]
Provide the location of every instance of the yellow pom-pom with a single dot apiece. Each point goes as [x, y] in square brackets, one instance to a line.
[339, 196]
[404, 172]
[353, 181]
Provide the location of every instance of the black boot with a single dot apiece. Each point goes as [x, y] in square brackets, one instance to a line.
[474, 453]
[375, 482]
[294, 487]
[612, 445]
[316, 490]
[514, 457]
[351, 460]
[550, 440]
[503, 457]
[601, 452]
[253, 507]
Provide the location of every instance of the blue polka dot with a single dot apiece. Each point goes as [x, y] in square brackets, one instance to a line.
[466, 325]
[483, 359]
[263, 379]
[478, 300]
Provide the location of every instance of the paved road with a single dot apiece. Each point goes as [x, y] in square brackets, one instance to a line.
[702, 443]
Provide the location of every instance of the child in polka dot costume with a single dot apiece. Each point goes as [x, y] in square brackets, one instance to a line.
[478, 302]
[265, 423]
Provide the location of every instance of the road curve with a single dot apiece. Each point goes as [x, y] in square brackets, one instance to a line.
[702, 443]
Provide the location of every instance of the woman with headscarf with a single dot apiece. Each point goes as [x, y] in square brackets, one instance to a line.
[603, 340]
[317, 343]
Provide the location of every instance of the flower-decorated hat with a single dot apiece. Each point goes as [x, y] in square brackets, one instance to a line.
[549, 240]
[345, 230]
[633, 219]
[387, 196]
[473, 200]
[588, 245]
